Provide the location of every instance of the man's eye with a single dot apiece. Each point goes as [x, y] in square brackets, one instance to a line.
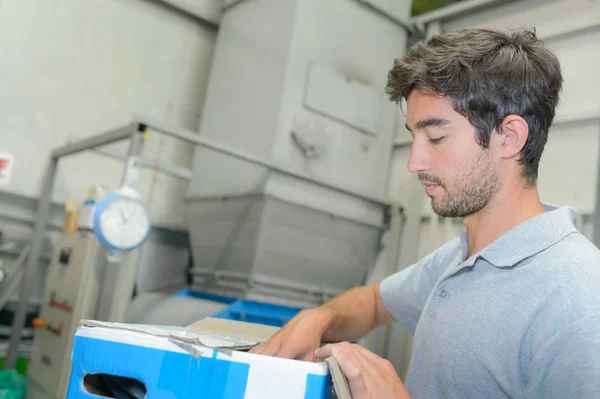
[437, 140]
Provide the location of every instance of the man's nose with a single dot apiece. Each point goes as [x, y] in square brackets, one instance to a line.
[418, 160]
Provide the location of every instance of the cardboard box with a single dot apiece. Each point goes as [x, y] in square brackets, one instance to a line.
[208, 359]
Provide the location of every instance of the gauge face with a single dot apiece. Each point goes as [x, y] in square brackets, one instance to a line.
[124, 222]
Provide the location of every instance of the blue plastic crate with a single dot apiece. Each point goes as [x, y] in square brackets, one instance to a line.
[205, 295]
[246, 310]
[258, 312]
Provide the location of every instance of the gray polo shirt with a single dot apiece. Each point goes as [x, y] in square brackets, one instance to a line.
[519, 319]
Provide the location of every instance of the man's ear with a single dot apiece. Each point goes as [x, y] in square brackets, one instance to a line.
[513, 135]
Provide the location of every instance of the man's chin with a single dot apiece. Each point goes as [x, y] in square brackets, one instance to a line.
[444, 213]
[439, 208]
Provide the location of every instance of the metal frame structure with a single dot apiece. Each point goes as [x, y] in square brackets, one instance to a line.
[134, 131]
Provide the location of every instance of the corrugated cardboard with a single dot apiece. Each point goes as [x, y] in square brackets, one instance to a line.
[241, 329]
[208, 359]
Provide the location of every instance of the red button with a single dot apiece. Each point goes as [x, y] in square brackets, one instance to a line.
[39, 323]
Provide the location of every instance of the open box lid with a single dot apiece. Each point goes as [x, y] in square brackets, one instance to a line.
[218, 333]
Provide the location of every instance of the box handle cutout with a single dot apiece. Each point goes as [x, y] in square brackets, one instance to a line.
[113, 386]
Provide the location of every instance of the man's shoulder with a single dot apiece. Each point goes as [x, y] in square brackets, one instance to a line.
[574, 253]
[570, 270]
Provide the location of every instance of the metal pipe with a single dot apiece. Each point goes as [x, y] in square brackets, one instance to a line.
[172, 170]
[95, 141]
[32, 264]
[192, 137]
[130, 174]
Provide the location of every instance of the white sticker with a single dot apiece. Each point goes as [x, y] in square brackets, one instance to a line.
[7, 162]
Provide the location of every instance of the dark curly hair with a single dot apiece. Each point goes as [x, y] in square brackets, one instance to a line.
[487, 75]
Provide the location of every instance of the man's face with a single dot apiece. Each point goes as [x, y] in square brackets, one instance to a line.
[459, 176]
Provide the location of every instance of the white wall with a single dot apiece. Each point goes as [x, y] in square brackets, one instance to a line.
[568, 170]
[74, 68]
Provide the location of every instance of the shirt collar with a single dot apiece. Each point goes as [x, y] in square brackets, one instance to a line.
[527, 239]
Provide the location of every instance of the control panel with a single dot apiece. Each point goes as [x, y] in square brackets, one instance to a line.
[72, 290]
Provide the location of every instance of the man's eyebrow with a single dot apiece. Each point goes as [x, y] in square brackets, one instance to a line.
[429, 122]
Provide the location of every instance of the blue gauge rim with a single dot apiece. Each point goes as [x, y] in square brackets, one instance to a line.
[101, 206]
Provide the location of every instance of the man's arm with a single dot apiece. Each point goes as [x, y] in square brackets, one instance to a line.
[347, 317]
[354, 314]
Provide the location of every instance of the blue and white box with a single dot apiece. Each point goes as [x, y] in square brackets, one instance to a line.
[161, 362]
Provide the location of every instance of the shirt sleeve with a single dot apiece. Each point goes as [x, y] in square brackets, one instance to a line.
[405, 293]
[568, 365]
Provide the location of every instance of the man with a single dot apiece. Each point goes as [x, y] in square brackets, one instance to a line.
[511, 308]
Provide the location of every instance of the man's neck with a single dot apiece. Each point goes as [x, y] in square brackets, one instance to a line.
[510, 207]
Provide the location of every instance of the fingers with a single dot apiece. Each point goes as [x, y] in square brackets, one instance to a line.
[268, 348]
[324, 351]
[256, 349]
[276, 348]
[373, 358]
[292, 351]
[382, 367]
[365, 355]
[353, 366]
[368, 375]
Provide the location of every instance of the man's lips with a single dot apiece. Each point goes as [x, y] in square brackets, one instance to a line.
[429, 186]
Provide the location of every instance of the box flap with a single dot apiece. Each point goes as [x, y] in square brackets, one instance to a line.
[233, 328]
[340, 384]
[180, 334]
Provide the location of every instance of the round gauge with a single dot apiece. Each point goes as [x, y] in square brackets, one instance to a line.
[121, 221]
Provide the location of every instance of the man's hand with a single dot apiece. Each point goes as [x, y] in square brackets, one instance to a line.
[369, 376]
[299, 338]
